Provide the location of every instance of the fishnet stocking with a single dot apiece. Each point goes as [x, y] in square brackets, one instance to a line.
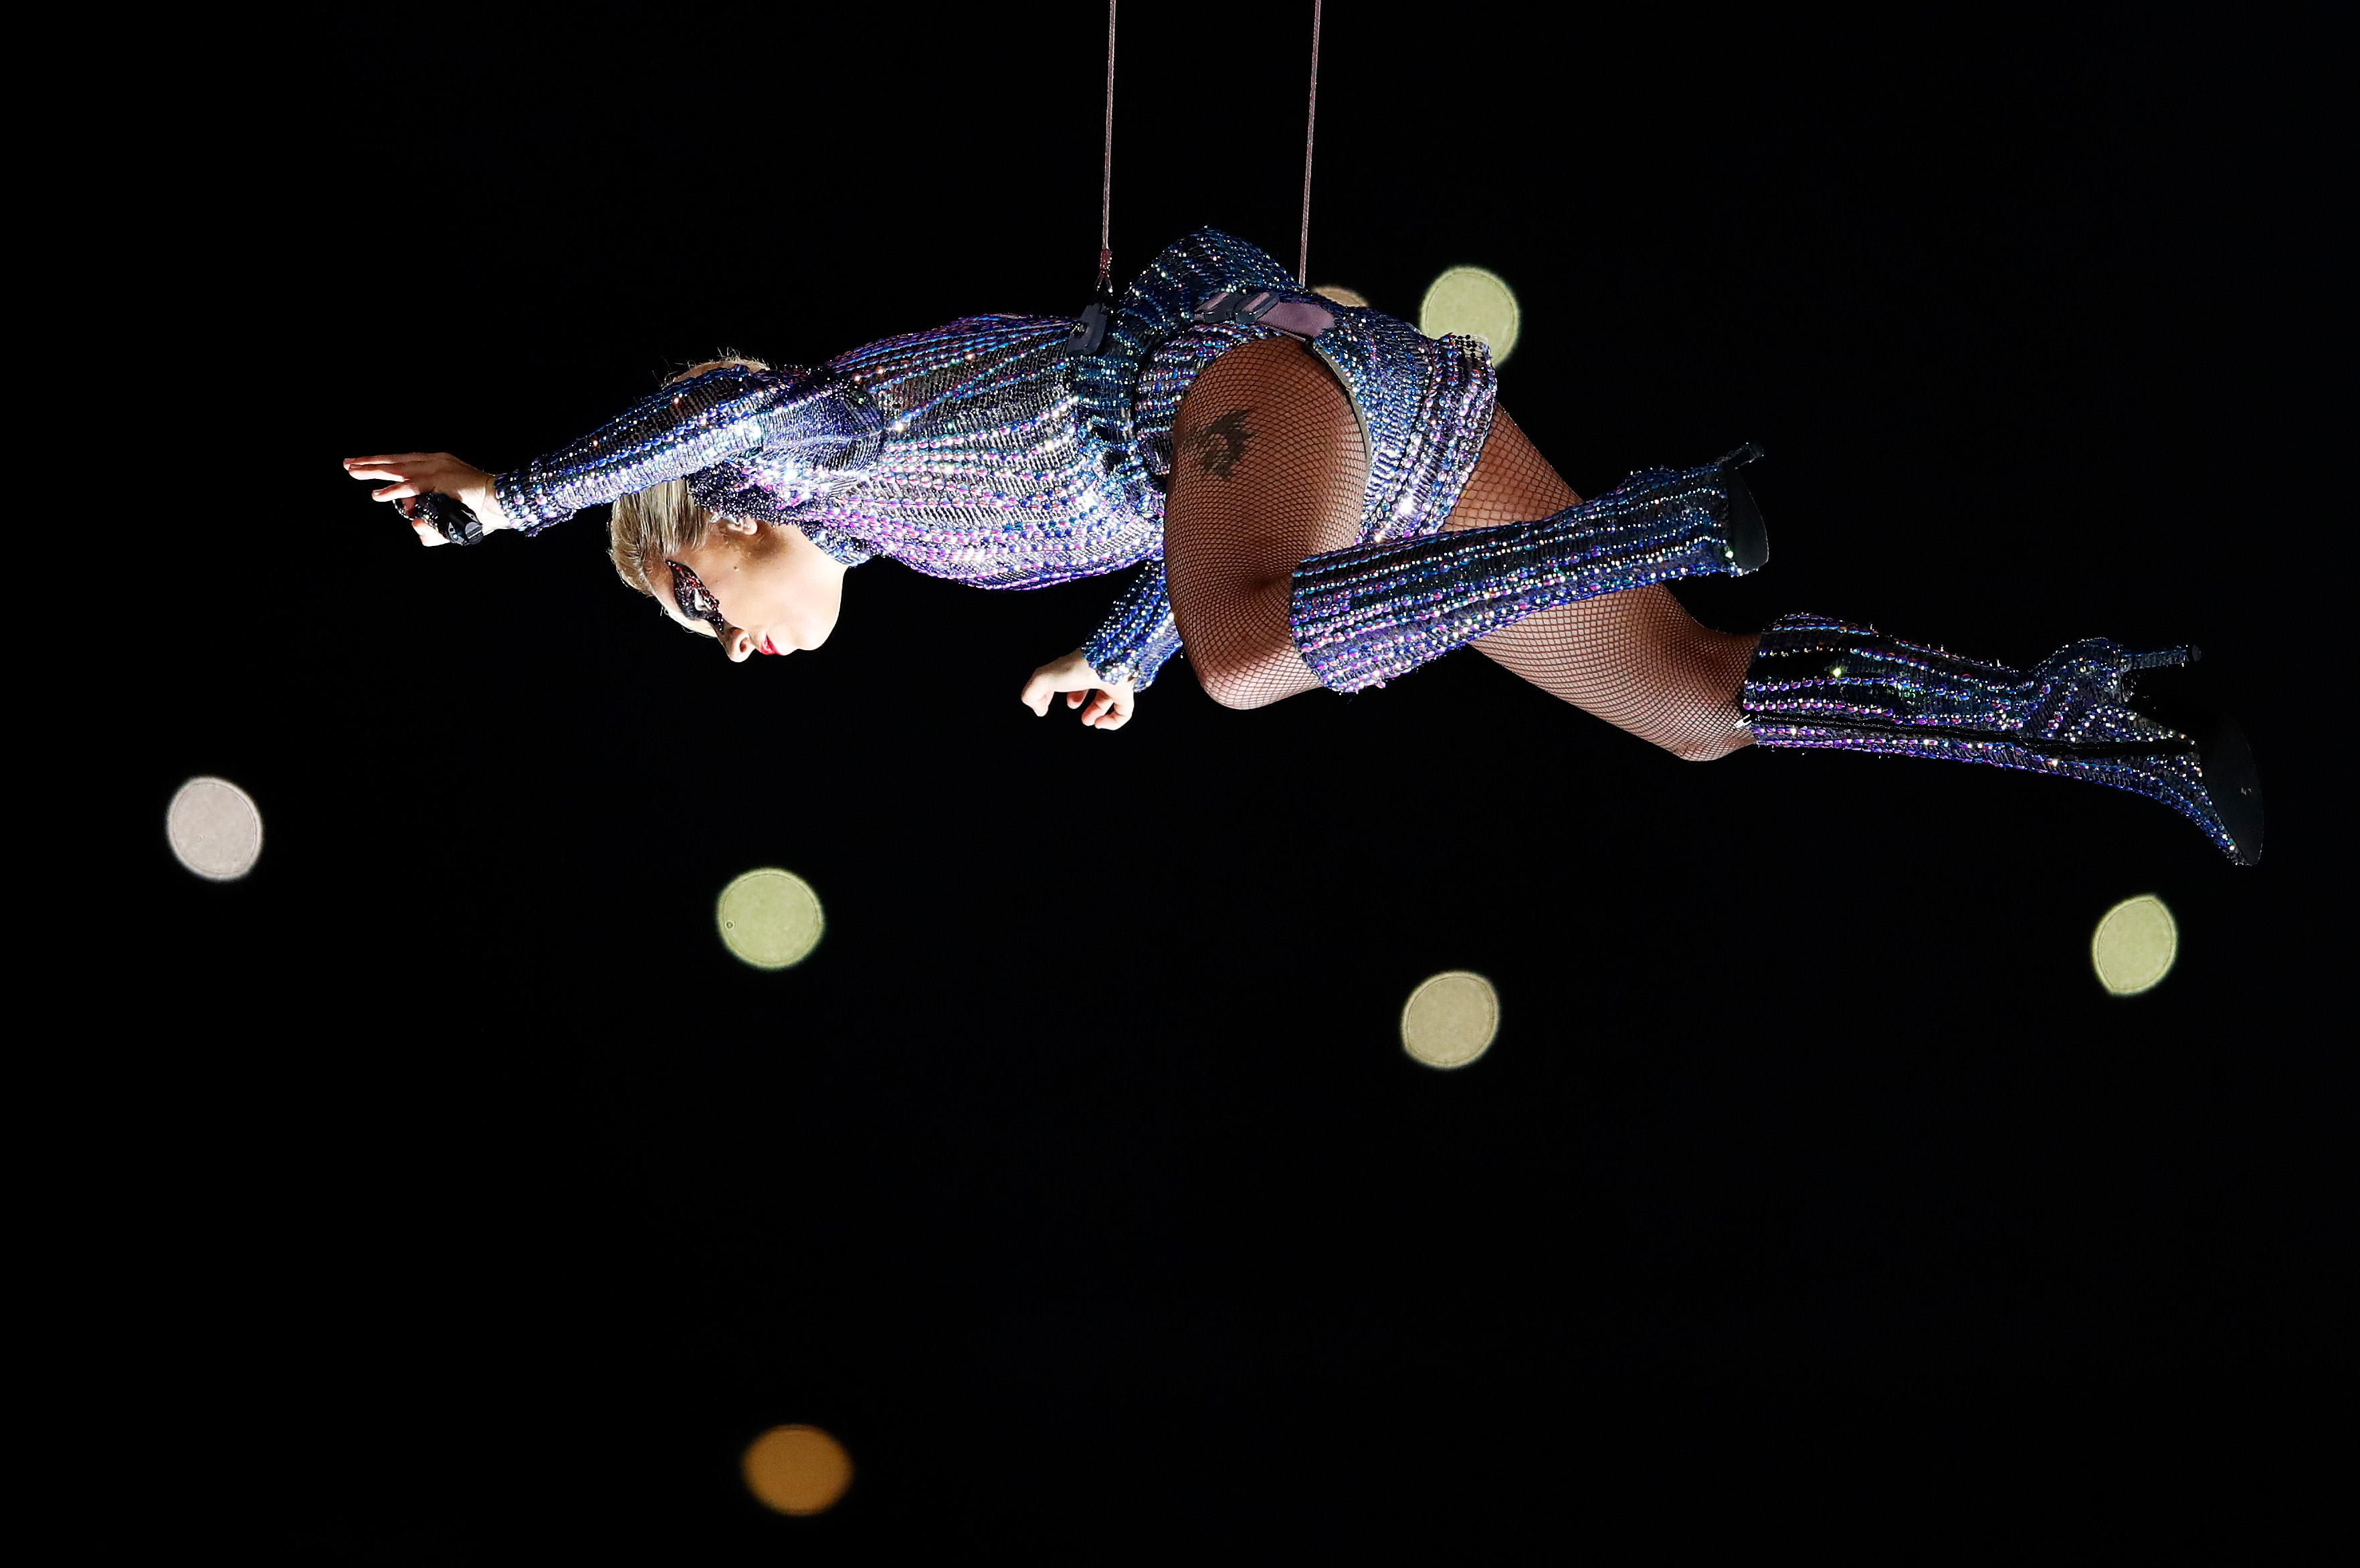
[1268, 467]
[1636, 659]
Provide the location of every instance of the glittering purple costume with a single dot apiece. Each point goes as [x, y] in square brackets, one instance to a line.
[994, 452]
[989, 452]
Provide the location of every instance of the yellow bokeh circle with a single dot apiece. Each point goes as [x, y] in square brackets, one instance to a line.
[768, 917]
[797, 1469]
[2135, 945]
[1477, 304]
[1450, 1019]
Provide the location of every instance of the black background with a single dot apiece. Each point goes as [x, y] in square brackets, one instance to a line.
[455, 1196]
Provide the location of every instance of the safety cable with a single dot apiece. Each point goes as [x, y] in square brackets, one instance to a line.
[1106, 167]
[1106, 174]
[1310, 124]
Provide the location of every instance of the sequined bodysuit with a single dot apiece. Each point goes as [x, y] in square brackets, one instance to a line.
[990, 452]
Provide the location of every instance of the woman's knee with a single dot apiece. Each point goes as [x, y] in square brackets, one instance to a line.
[1239, 637]
[1231, 689]
[1699, 704]
[1711, 750]
[1242, 678]
[1709, 738]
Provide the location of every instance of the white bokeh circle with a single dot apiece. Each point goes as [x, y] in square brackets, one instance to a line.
[215, 828]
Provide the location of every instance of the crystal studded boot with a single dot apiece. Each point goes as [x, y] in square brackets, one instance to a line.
[1364, 615]
[1821, 683]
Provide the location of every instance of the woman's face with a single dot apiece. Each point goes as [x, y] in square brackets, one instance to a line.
[777, 590]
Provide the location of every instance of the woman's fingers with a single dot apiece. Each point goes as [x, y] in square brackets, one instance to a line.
[1106, 709]
[411, 474]
[427, 532]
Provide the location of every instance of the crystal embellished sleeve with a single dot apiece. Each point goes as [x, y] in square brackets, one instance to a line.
[729, 489]
[728, 412]
[1139, 634]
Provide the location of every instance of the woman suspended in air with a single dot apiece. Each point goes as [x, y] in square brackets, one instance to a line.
[1313, 493]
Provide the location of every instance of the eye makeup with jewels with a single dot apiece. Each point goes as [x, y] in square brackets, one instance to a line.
[695, 599]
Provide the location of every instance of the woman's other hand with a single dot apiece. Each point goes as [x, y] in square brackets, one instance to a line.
[422, 473]
[1110, 706]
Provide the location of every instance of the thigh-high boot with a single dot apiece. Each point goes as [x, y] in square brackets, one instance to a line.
[1822, 683]
[1363, 615]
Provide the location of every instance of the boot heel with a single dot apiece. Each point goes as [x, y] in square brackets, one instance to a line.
[2189, 700]
[2234, 785]
[1749, 537]
[2180, 695]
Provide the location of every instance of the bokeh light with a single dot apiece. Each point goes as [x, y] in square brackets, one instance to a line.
[1342, 295]
[797, 1469]
[215, 828]
[1479, 303]
[2135, 945]
[770, 918]
[1450, 1019]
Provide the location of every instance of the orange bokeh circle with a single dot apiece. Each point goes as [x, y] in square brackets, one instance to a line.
[797, 1469]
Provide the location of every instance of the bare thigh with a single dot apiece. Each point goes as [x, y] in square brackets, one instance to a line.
[1268, 466]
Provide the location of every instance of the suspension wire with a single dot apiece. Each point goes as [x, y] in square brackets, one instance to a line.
[1310, 124]
[1106, 174]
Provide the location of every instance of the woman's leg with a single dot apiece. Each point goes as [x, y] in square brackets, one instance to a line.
[1635, 659]
[1269, 470]
[1267, 467]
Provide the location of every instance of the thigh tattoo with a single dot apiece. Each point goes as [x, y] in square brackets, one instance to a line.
[1219, 443]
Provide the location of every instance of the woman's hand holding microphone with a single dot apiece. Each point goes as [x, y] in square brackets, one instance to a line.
[415, 474]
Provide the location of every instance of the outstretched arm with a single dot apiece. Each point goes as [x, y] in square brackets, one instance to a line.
[795, 419]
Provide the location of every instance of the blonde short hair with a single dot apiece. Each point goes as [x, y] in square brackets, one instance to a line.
[646, 526]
